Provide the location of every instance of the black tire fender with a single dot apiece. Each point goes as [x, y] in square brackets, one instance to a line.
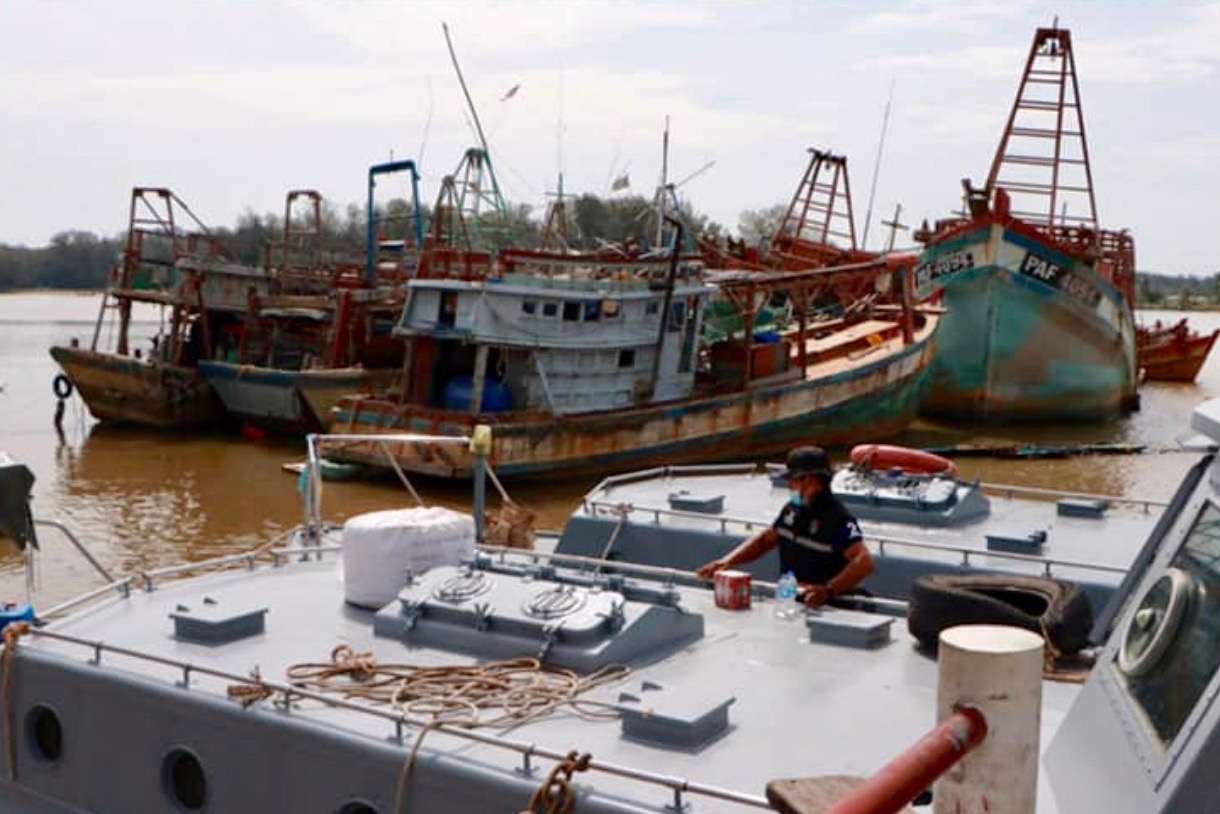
[1055, 609]
[62, 386]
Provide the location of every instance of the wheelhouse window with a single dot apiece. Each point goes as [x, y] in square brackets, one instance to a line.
[593, 311]
[651, 308]
[626, 358]
[529, 306]
[571, 311]
[550, 309]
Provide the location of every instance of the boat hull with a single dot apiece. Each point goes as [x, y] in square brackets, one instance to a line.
[1176, 359]
[124, 390]
[275, 400]
[1029, 333]
[872, 396]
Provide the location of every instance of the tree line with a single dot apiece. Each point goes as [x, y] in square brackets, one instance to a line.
[80, 259]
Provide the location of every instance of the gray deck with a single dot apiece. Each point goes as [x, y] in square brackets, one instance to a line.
[801, 708]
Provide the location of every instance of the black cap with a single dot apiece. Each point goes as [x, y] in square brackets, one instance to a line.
[808, 461]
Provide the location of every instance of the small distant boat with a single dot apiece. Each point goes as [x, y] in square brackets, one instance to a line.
[1173, 353]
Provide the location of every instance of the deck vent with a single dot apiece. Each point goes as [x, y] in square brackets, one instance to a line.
[686, 718]
[686, 501]
[214, 622]
[848, 628]
[1030, 543]
[1082, 507]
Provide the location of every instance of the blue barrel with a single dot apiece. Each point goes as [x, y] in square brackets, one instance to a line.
[766, 338]
[496, 397]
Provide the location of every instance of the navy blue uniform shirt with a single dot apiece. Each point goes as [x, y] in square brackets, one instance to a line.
[812, 538]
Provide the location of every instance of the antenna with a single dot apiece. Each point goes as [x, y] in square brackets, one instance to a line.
[474, 114]
[872, 191]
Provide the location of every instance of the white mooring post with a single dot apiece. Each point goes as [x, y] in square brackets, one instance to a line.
[997, 670]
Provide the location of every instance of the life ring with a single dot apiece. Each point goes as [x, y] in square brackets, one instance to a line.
[62, 386]
[1058, 610]
[884, 457]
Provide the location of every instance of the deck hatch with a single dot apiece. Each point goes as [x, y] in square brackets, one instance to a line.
[848, 628]
[687, 501]
[1018, 543]
[215, 622]
[686, 718]
[1082, 507]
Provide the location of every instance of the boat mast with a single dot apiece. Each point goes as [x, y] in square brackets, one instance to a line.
[1043, 154]
[872, 190]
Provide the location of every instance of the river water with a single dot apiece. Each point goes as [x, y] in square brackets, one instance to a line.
[145, 499]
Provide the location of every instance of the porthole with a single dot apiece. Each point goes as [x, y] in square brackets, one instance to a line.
[184, 780]
[357, 807]
[45, 733]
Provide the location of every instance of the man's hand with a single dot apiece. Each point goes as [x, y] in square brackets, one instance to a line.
[709, 570]
[813, 596]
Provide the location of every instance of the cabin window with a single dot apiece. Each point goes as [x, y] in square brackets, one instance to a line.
[611, 309]
[184, 780]
[593, 311]
[651, 308]
[571, 311]
[626, 358]
[529, 306]
[550, 309]
[1171, 646]
[45, 733]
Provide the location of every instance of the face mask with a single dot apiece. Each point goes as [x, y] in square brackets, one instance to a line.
[796, 499]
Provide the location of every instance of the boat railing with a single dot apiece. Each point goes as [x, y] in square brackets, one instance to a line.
[1006, 490]
[880, 540]
[284, 694]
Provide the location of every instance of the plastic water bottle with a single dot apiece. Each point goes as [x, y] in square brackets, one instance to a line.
[785, 596]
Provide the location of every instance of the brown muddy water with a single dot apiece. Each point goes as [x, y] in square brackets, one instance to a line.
[145, 499]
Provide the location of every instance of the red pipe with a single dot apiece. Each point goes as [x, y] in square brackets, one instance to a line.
[906, 776]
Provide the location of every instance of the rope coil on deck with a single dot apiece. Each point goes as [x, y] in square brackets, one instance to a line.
[518, 689]
[514, 691]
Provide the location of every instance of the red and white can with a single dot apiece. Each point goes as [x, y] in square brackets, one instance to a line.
[732, 590]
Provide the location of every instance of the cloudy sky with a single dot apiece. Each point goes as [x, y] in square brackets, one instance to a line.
[231, 104]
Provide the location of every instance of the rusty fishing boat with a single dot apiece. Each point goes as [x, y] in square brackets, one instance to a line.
[1172, 353]
[1039, 322]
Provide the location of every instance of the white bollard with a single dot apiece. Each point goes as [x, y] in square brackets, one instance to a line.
[998, 671]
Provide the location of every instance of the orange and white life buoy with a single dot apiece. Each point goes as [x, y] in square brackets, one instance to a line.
[885, 457]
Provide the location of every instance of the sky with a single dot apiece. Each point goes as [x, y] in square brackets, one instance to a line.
[232, 104]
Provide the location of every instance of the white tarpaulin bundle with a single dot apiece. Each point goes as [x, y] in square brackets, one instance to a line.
[381, 548]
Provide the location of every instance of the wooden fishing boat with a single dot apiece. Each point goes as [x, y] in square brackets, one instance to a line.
[583, 363]
[1039, 322]
[1172, 353]
[298, 355]
[173, 261]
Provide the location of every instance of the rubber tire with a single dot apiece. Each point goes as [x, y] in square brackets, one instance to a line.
[1056, 609]
[62, 386]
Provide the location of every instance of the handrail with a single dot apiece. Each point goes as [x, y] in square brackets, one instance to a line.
[906, 776]
[123, 586]
[677, 785]
[1005, 489]
[67, 532]
[882, 540]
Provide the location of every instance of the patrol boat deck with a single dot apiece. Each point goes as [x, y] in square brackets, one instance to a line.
[682, 517]
[134, 701]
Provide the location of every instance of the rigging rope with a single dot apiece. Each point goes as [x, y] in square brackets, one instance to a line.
[500, 694]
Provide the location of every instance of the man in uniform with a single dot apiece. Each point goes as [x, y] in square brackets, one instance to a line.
[819, 541]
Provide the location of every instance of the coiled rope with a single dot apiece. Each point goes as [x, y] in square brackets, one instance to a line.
[498, 694]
